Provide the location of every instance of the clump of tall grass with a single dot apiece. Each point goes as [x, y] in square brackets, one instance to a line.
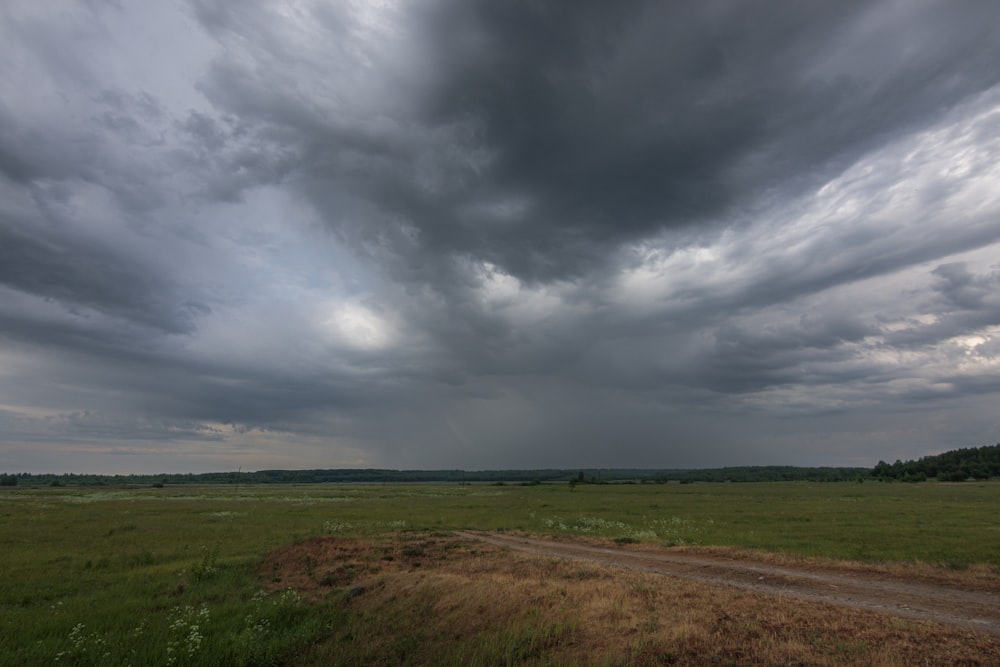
[330, 527]
[586, 524]
[589, 525]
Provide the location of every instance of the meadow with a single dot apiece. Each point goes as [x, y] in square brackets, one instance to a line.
[179, 575]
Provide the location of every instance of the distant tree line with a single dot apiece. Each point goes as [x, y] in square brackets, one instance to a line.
[326, 476]
[957, 465]
[376, 475]
[764, 474]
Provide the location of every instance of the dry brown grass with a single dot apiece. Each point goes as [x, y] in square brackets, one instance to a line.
[438, 600]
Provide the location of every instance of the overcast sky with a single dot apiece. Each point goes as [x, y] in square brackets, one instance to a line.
[480, 234]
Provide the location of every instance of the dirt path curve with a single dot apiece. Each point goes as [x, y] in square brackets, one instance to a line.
[975, 610]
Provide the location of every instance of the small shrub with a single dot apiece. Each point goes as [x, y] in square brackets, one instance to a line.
[207, 567]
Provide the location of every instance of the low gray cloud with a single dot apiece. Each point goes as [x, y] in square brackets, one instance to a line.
[479, 234]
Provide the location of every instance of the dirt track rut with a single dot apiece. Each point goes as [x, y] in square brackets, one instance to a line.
[975, 610]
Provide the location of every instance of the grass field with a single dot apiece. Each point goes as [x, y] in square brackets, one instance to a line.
[176, 575]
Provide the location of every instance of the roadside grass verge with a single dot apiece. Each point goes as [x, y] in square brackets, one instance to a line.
[471, 604]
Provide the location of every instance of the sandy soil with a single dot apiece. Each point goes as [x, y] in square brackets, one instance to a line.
[978, 610]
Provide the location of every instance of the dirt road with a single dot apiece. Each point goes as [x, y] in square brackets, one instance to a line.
[975, 610]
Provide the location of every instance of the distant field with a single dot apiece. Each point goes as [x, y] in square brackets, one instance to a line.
[173, 575]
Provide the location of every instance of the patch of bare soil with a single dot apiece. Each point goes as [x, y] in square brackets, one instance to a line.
[926, 600]
[319, 565]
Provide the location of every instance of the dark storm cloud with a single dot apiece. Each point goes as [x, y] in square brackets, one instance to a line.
[745, 360]
[149, 391]
[964, 291]
[963, 304]
[82, 275]
[667, 115]
[603, 124]
[547, 137]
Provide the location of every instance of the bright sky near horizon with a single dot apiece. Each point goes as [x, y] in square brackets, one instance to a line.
[478, 234]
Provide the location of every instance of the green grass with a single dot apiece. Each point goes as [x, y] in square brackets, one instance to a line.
[169, 576]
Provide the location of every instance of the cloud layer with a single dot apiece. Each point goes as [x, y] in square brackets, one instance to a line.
[480, 234]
